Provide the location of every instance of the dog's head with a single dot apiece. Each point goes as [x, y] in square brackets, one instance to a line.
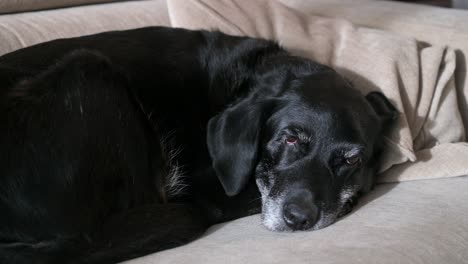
[312, 146]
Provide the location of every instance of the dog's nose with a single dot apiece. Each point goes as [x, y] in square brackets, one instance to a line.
[300, 217]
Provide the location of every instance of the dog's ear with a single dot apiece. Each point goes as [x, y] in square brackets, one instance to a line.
[382, 106]
[233, 142]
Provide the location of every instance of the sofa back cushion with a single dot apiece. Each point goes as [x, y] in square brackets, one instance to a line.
[428, 139]
[26, 29]
[13, 6]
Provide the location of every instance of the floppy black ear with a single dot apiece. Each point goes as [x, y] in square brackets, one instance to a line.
[233, 142]
[382, 106]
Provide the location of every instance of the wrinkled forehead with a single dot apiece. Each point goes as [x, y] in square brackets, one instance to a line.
[321, 120]
[328, 89]
[326, 105]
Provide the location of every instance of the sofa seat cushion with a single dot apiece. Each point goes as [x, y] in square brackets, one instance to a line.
[410, 222]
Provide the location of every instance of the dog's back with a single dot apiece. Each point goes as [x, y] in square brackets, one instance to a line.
[76, 142]
[86, 154]
[93, 130]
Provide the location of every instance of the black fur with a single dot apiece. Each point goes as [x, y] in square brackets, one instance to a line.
[86, 123]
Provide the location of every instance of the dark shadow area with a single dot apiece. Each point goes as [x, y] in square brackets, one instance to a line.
[442, 3]
[460, 83]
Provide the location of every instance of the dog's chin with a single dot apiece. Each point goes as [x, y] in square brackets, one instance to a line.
[276, 227]
[272, 215]
[277, 224]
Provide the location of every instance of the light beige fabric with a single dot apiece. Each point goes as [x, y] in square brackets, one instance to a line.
[417, 222]
[10, 6]
[25, 29]
[418, 78]
[438, 26]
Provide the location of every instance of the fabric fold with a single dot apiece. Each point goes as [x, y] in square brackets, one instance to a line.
[428, 139]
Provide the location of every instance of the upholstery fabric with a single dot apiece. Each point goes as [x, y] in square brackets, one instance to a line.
[419, 78]
[417, 222]
[26, 29]
[10, 6]
[437, 26]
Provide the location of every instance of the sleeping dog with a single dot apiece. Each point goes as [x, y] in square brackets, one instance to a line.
[124, 143]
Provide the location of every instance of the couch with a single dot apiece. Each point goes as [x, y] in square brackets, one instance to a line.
[403, 220]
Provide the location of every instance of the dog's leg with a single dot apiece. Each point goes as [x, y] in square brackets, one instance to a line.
[146, 230]
[51, 251]
[134, 233]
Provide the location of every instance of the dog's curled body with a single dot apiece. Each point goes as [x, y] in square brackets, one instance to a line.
[96, 132]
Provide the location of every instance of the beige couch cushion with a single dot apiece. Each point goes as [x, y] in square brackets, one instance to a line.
[410, 222]
[11, 6]
[418, 78]
[25, 29]
[434, 25]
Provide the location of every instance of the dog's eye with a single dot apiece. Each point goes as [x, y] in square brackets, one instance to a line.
[353, 161]
[291, 140]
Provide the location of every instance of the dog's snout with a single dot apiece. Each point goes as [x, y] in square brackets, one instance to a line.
[300, 216]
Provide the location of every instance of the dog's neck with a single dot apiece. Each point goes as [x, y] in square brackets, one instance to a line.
[231, 79]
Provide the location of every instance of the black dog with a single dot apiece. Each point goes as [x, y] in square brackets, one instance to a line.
[120, 144]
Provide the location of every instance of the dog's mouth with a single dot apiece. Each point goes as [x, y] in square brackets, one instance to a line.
[310, 213]
[347, 207]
